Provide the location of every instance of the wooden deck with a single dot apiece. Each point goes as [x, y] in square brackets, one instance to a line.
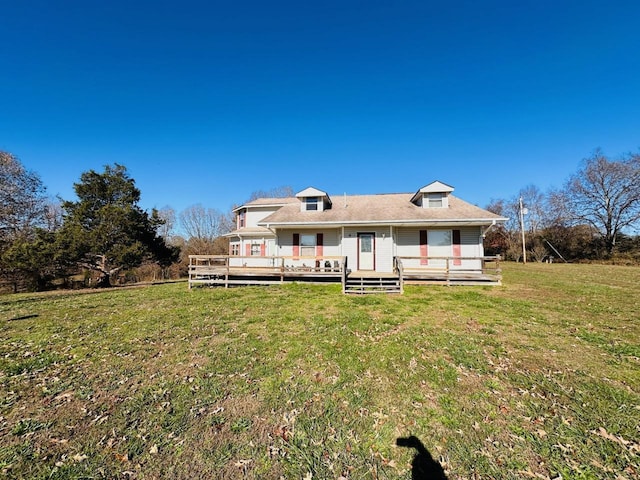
[226, 270]
[450, 270]
[233, 270]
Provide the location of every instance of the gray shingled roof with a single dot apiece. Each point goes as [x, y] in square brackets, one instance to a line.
[393, 208]
[268, 202]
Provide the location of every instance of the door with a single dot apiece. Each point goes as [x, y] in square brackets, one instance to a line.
[439, 246]
[366, 251]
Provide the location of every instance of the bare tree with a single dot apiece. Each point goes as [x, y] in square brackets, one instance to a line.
[538, 251]
[556, 210]
[22, 199]
[534, 201]
[167, 229]
[54, 215]
[277, 192]
[606, 194]
[203, 223]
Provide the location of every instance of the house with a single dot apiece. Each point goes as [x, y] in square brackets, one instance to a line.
[427, 226]
[427, 234]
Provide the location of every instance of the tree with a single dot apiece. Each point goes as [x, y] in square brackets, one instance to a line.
[23, 212]
[22, 199]
[499, 240]
[534, 201]
[106, 231]
[33, 261]
[203, 223]
[277, 192]
[168, 217]
[605, 194]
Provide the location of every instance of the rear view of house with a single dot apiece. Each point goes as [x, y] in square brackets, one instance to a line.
[429, 233]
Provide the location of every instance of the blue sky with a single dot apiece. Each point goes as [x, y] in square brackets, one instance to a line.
[206, 102]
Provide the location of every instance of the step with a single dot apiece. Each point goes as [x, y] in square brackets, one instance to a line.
[368, 285]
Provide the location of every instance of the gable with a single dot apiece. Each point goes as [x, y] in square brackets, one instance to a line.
[434, 195]
[436, 187]
[311, 192]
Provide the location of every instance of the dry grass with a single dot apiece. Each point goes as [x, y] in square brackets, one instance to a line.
[535, 379]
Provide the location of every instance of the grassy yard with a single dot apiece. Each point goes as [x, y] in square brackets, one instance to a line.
[539, 378]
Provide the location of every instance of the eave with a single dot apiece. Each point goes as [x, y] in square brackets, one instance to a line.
[398, 223]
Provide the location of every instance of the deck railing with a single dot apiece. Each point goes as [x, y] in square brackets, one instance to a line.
[486, 268]
[218, 269]
[243, 270]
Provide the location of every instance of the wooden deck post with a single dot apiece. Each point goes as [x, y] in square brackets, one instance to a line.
[448, 272]
[344, 274]
[282, 270]
[226, 277]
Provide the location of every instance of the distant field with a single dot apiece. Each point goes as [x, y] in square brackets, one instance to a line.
[534, 379]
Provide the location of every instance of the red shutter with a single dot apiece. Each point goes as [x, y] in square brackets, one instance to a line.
[296, 245]
[319, 245]
[424, 248]
[457, 249]
[263, 250]
[247, 249]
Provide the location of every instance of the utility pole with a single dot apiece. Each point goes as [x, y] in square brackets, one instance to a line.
[524, 248]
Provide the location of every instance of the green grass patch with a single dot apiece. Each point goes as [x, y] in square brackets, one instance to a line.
[533, 379]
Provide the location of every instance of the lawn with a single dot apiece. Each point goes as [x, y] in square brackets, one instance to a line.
[538, 378]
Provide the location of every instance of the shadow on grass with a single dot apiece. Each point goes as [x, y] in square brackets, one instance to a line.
[23, 317]
[423, 466]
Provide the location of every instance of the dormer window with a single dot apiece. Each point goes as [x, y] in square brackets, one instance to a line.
[241, 219]
[313, 200]
[435, 200]
[434, 195]
[311, 204]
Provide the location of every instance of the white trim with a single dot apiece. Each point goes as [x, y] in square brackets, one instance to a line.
[311, 192]
[433, 222]
[260, 205]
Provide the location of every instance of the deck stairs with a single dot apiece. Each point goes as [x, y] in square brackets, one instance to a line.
[361, 284]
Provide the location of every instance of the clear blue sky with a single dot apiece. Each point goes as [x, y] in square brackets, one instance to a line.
[206, 102]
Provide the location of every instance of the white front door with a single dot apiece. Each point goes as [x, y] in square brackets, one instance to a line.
[439, 246]
[366, 251]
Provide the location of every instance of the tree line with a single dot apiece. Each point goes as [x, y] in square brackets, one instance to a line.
[105, 234]
[101, 237]
[594, 215]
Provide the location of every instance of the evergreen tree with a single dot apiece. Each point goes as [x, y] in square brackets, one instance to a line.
[106, 231]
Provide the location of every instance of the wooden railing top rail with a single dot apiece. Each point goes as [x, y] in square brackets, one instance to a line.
[333, 257]
[489, 257]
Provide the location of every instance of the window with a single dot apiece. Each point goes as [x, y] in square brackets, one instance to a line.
[308, 245]
[311, 203]
[235, 249]
[256, 249]
[241, 215]
[435, 200]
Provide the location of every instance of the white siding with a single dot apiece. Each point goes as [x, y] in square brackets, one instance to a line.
[383, 247]
[471, 246]
[408, 242]
[330, 241]
[471, 242]
[255, 214]
[408, 245]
